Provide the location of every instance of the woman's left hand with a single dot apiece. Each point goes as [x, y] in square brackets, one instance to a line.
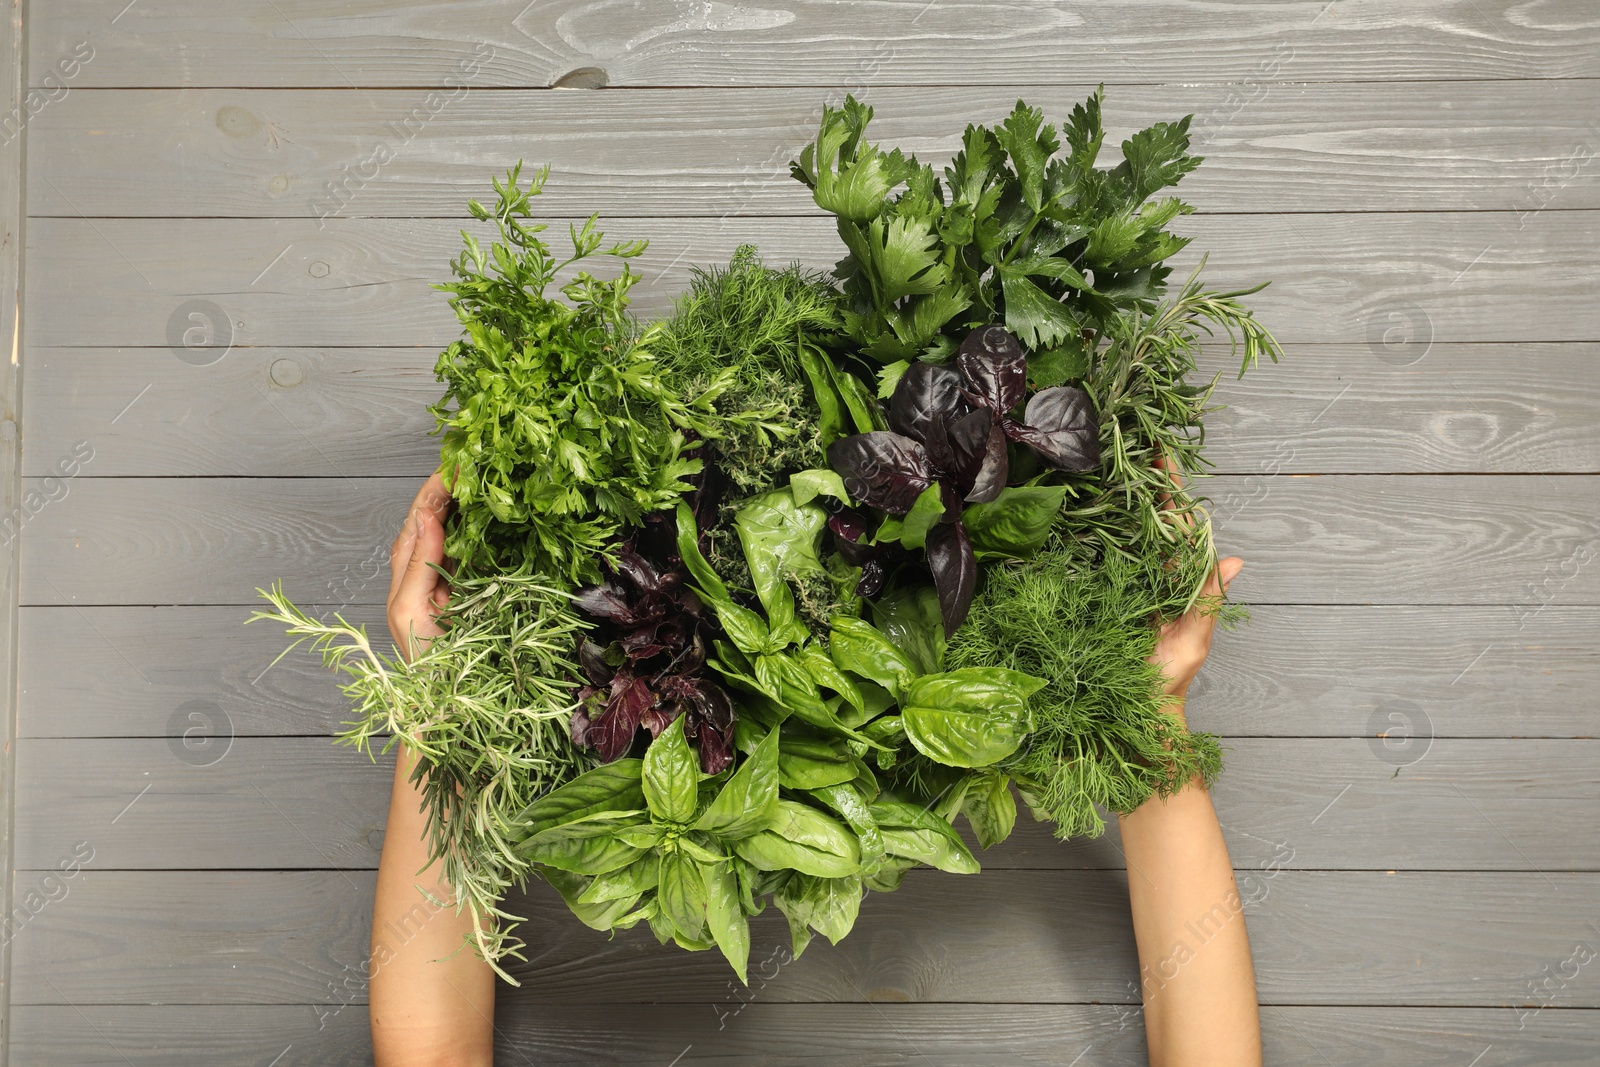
[417, 592]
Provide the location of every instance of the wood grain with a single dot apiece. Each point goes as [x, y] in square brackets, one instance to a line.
[275, 412]
[1527, 541]
[1387, 281]
[1319, 803]
[855, 45]
[1315, 671]
[807, 1035]
[1064, 937]
[1394, 146]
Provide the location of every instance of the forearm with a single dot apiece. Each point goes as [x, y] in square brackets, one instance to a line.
[1196, 977]
[427, 1010]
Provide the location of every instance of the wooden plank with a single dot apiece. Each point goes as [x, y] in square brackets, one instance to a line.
[1059, 937]
[151, 662]
[191, 1035]
[1316, 671]
[1325, 803]
[274, 412]
[1522, 541]
[1322, 147]
[290, 43]
[1370, 279]
[16, 108]
[195, 1035]
[224, 802]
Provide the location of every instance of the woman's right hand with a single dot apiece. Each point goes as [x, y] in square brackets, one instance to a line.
[417, 592]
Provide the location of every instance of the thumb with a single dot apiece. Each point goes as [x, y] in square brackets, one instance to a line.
[1228, 569]
[427, 546]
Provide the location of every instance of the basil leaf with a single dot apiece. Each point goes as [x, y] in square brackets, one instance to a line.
[972, 717]
[828, 905]
[725, 915]
[909, 617]
[990, 809]
[627, 882]
[926, 393]
[806, 486]
[581, 855]
[805, 770]
[830, 409]
[609, 787]
[682, 893]
[914, 832]
[671, 775]
[802, 838]
[599, 824]
[922, 517]
[955, 572]
[749, 800]
[849, 803]
[882, 469]
[1015, 524]
[860, 648]
[779, 538]
[888, 877]
[602, 915]
[827, 674]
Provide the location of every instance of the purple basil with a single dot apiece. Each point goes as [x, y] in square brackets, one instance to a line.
[926, 393]
[955, 572]
[993, 369]
[882, 469]
[646, 668]
[1060, 426]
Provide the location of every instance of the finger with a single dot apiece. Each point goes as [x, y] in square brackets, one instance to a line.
[419, 581]
[432, 498]
[1229, 569]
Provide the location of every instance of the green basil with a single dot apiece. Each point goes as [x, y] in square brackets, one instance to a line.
[599, 824]
[609, 787]
[852, 806]
[806, 486]
[923, 516]
[749, 800]
[682, 893]
[671, 775]
[861, 648]
[910, 618]
[581, 855]
[827, 905]
[1015, 524]
[972, 717]
[802, 838]
[725, 915]
[631, 881]
[827, 674]
[603, 915]
[990, 809]
[889, 875]
[780, 541]
[914, 832]
[830, 408]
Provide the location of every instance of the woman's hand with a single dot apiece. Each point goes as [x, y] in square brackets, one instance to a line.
[1184, 642]
[417, 592]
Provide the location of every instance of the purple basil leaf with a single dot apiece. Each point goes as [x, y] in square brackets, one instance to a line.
[592, 658]
[873, 573]
[955, 572]
[850, 525]
[926, 393]
[941, 455]
[612, 733]
[605, 601]
[980, 448]
[1061, 427]
[657, 718]
[881, 469]
[579, 726]
[638, 570]
[716, 750]
[995, 468]
[993, 368]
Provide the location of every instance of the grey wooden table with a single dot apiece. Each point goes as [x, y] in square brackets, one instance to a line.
[225, 218]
